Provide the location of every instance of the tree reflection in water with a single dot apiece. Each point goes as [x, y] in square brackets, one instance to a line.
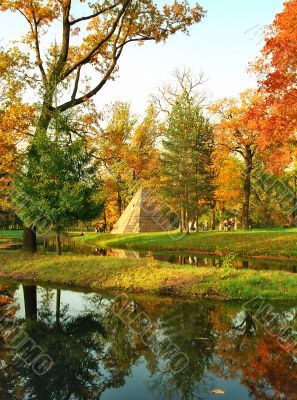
[95, 351]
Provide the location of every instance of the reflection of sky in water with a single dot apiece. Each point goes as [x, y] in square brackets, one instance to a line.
[76, 301]
[138, 386]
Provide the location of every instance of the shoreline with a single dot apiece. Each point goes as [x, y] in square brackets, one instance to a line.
[278, 245]
[198, 252]
[147, 276]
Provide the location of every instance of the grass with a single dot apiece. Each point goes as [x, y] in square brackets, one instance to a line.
[273, 242]
[147, 276]
[10, 235]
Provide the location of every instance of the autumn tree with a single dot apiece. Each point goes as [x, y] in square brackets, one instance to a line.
[237, 130]
[114, 148]
[144, 154]
[95, 38]
[128, 155]
[228, 181]
[277, 75]
[16, 118]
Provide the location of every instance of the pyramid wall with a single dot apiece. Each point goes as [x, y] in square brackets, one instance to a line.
[141, 215]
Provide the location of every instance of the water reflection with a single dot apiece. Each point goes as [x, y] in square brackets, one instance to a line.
[201, 260]
[198, 260]
[109, 348]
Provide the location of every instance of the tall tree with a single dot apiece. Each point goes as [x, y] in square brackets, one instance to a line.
[228, 181]
[57, 70]
[237, 130]
[16, 118]
[184, 82]
[144, 154]
[277, 75]
[114, 142]
[186, 160]
[127, 150]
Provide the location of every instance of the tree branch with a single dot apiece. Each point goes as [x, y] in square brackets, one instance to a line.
[76, 84]
[65, 35]
[76, 21]
[37, 47]
[87, 57]
[117, 51]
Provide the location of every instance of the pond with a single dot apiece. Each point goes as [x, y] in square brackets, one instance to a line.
[61, 344]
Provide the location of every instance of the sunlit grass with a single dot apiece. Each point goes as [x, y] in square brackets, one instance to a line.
[273, 242]
[147, 276]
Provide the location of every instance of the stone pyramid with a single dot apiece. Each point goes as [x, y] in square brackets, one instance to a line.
[142, 215]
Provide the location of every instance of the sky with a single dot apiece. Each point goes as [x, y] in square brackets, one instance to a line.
[222, 46]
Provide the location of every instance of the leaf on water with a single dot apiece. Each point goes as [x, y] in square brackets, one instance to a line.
[218, 391]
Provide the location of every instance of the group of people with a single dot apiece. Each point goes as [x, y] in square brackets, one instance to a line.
[229, 224]
[101, 229]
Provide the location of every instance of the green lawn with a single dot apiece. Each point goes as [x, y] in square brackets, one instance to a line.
[147, 276]
[10, 236]
[274, 242]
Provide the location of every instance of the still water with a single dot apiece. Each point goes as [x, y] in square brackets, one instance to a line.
[199, 260]
[96, 346]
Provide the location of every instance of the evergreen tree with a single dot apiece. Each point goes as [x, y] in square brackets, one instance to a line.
[186, 160]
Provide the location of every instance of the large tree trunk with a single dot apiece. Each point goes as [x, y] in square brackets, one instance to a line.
[59, 245]
[180, 222]
[58, 308]
[104, 220]
[29, 240]
[119, 203]
[30, 300]
[248, 159]
[197, 219]
[187, 221]
[213, 218]
[293, 216]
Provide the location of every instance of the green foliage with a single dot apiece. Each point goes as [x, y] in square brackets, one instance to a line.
[225, 264]
[57, 185]
[274, 197]
[186, 157]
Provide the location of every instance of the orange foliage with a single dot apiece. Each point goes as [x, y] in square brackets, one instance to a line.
[277, 75]
[228, 182]
[258, 360]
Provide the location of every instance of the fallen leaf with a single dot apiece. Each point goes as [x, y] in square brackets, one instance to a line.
[218, 391]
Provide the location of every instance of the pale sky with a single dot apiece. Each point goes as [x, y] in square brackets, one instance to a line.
[222, 45]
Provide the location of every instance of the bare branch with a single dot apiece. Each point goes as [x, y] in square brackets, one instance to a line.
[185, 82]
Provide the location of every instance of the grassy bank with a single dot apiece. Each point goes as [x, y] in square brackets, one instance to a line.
[147, 276]
[279, 243]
